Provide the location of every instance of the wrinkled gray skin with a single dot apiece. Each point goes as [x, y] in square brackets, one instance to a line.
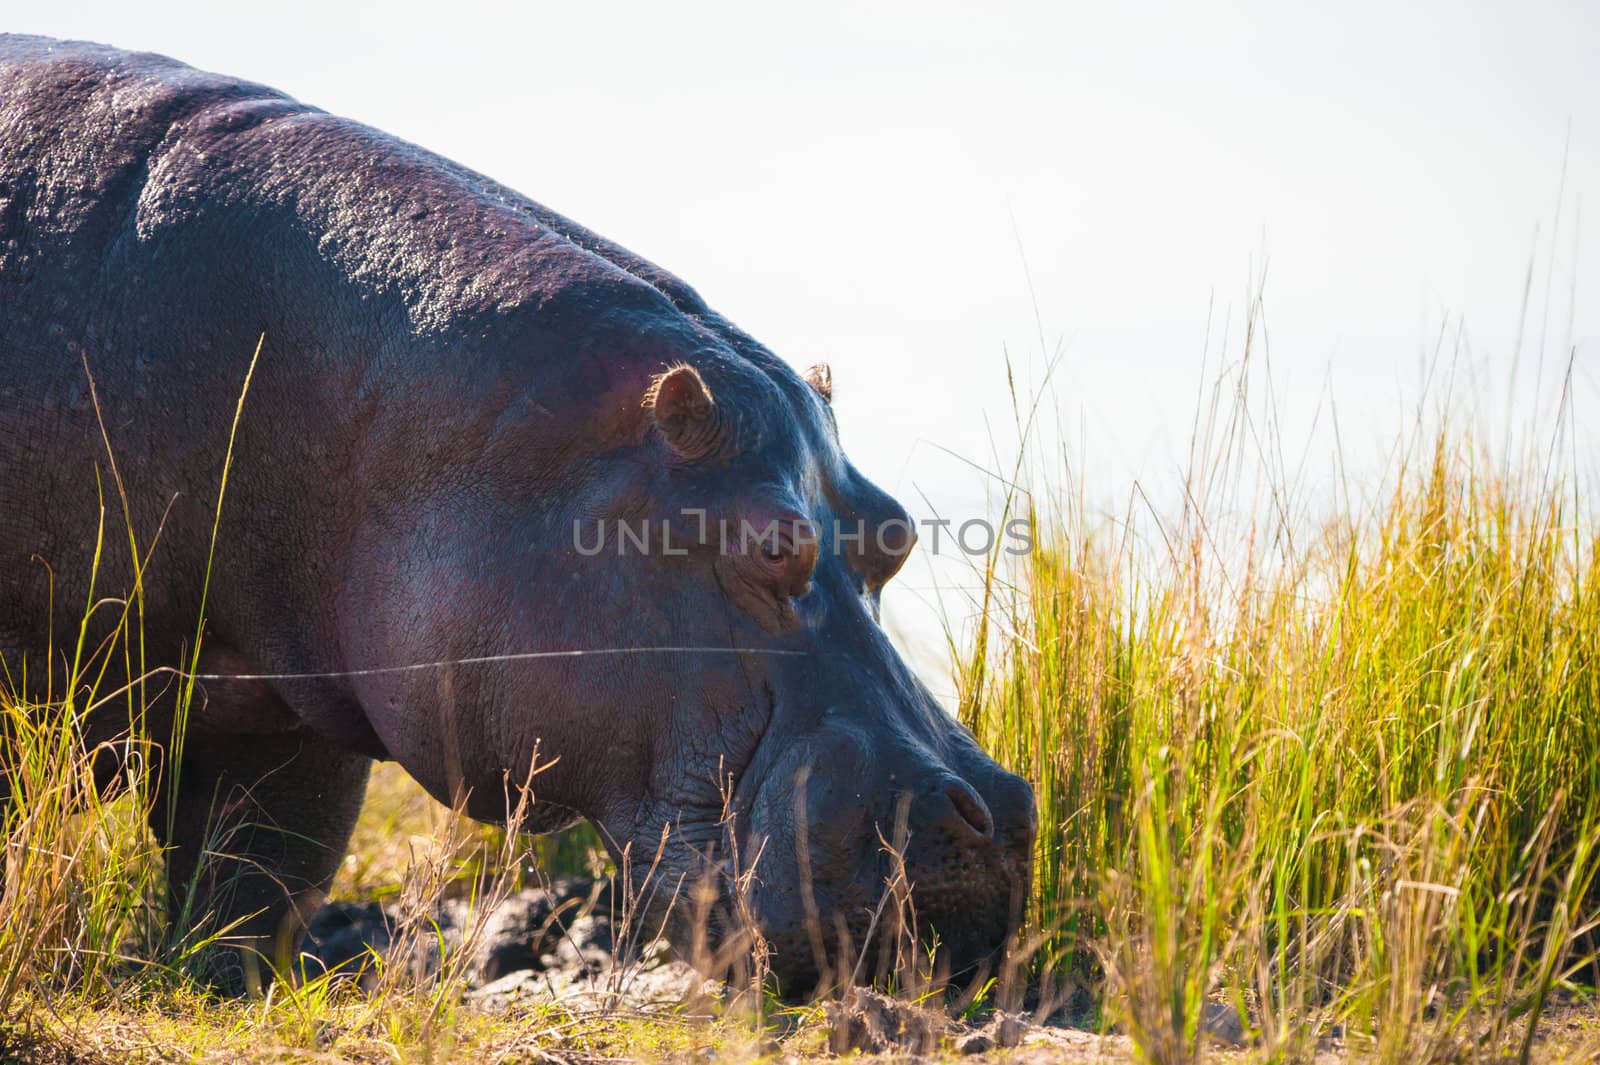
[451, 376]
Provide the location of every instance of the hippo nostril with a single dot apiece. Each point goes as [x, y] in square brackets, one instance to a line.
[971, 808]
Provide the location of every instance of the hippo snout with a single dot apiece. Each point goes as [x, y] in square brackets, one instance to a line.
[879, 831]
[968, 860]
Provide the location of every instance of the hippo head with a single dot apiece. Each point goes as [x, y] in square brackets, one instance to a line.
[674, 611]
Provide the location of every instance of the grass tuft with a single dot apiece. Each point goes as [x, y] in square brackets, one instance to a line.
[1343, 779]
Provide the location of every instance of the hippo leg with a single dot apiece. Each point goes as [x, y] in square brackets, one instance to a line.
[254, 835]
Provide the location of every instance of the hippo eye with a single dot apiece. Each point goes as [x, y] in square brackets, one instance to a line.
[789, 557]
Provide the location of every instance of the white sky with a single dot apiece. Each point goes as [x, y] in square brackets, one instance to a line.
[863, 183]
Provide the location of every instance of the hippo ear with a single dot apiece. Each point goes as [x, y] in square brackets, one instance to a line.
[684, 411]
[820, 377]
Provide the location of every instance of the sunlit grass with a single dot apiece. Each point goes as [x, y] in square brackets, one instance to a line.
[1345, 777]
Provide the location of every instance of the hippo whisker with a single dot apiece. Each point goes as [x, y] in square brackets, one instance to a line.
[521, 656]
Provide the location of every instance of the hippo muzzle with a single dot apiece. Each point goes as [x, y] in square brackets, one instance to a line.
[877, 845]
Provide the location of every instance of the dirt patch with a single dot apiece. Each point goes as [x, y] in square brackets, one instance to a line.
[866, 1021]
[561, 943]
[557, 941]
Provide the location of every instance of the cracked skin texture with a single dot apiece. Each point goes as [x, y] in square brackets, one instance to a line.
[449, 377]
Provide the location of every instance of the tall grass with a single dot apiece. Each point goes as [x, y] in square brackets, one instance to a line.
[81, 889]
[81, 876]
[1345, 777]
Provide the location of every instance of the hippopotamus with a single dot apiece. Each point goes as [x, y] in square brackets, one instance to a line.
[429, 392]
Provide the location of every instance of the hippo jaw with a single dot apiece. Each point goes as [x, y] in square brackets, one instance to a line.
[832, 888]
[868, 855]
